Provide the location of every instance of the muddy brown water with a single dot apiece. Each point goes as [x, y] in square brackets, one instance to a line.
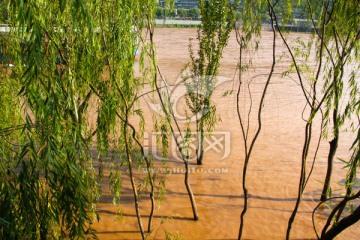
[274, 168]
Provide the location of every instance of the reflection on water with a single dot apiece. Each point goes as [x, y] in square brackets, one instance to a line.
[273, 170]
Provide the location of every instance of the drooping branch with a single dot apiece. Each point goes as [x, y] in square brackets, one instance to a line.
[259, 118]
[169, 116]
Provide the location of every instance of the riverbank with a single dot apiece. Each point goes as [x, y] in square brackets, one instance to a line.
[175, 23]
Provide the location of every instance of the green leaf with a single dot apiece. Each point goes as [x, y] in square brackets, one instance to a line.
[62, 4]
[3, 221]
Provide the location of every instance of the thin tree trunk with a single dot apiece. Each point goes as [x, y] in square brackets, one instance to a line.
[308, 130]
[345, 222]
[244, 137]
[184, 158]
[200, 150]
[148, 162]
[151, 197]
[349, 180]
[246, 196]
[261, 105]
[132, 179]
[342, 225]
[330, 162]
[190, 193]
[334, 142]
[151, 181]
[169, 116]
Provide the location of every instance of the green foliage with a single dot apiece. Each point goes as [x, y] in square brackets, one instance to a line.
[11, 142]
[193, 13]
[182, 13]
[69, 55]
[66, 53]
[169, 4]
[335, 43]
[250, 19]
[340, 28]
[159, 12]
[213, 34]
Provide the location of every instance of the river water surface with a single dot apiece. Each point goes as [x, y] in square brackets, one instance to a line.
[274, 168]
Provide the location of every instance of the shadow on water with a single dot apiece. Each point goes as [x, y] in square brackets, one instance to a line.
[279, 210]
[117, 232]
[129, 198]
[251, 196]
[280, 199]
[145, 216]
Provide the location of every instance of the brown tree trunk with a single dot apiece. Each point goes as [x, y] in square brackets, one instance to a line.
[132, 179]
[342, 225]
[200, 150]
[330, 162]
[190, 193]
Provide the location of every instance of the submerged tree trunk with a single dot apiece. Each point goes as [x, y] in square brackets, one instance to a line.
[246, 196]
[152, 201]
[212, 35]
[148, 169]
[301, 186]
[132, 179]
[190, 193]
[350, 179]
[342, 225]
[200, 150]
[330, 162]
[334, 142]
[248, 151]
[169, 118]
